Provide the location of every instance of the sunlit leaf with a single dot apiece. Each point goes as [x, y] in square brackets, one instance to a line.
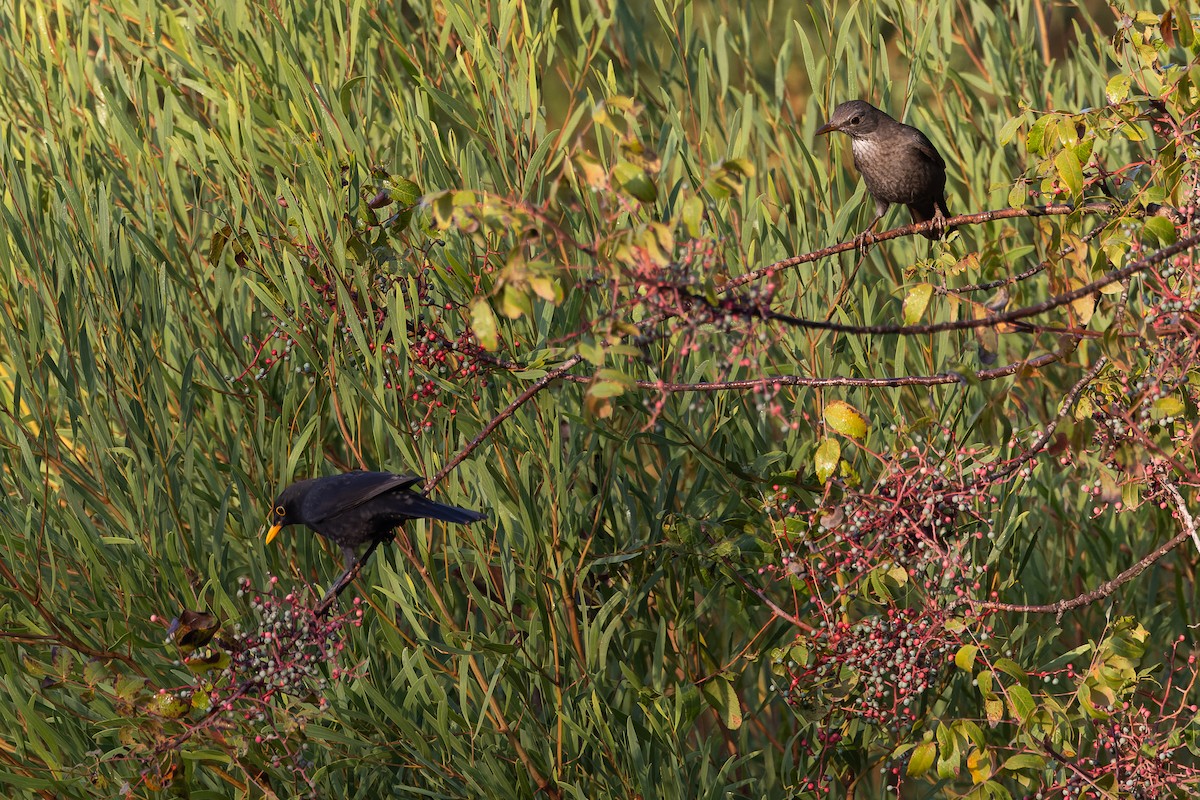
[826, 459]
[845, 419]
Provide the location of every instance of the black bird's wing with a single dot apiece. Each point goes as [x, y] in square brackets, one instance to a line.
[338, 494]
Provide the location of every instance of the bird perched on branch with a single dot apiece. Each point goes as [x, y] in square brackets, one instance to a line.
[356, 508]
[898, 162]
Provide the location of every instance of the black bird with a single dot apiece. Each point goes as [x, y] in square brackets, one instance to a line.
[355, 508]
[898, 162]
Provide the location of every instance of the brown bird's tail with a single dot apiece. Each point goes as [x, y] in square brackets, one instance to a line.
[927, 211]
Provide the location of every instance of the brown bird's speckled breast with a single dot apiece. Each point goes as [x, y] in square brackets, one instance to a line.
[897, 171]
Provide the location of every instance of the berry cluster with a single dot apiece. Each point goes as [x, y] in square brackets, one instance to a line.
[284, 662]
[429, 374]
[288, 651]
[877, 669]
[927, 507]
[1146, 749]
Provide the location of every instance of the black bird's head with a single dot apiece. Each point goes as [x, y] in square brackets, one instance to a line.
[856, 118]
[286, 509]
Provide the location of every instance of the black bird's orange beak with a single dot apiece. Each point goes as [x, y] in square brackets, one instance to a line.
[273, 532]
[826, 128]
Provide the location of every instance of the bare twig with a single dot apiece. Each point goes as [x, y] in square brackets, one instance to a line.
[1108, 587]
[1103, 590]
[1113, 276]
[1029, 273]
[1063, 408]
[1054, 209]
[779, 612]
[938, 379]
[322, 608]
[1185, 517]
[541, 383]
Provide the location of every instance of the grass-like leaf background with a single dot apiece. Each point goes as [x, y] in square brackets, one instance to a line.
[197, 308]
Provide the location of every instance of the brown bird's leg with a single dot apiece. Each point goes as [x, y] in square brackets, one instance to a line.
[867, 237]
[939, 219]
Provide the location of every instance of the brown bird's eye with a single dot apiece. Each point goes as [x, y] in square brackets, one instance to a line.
[855, 120]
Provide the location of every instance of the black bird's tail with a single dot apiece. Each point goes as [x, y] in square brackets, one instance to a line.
[418, 505]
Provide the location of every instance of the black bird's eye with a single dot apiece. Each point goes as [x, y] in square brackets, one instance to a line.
[855, 120]
[280, 512]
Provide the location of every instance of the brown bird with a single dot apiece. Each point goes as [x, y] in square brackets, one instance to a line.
[898, 162]
[355, 508]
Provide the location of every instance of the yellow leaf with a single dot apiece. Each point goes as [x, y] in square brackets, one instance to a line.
[845, 419]
[994, 708]
[1084, 307]
[483, 324]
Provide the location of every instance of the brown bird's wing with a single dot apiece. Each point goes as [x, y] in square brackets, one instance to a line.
[925, 147]
[338, 494]
[928, 209]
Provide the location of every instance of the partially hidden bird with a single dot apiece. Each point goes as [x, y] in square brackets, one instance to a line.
[898, 163]
[355, 508]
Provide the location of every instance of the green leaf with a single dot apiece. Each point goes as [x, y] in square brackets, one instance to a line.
[1020, 702]
[1024, 761]
[1182, 14]
[1010, 667]
[546, 288]
[1159, 230]
[402, 190]
[167, 704]
[216, 245]
[634, 180]
[922, 759]
[346, 92]
[692, 215]
[826, 459]
[915, 302]
[607, 388]
[1118, 88]
[93, 672]
[514, 303]
[1035, 142]
[1069, 172]
[723, 699]
[1169, 406]
[1009, 131]
[964, 659]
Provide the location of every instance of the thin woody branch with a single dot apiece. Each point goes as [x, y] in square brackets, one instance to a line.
[1108, 587]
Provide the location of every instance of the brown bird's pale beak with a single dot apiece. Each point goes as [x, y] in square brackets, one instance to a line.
[826, 128]
[273, 532]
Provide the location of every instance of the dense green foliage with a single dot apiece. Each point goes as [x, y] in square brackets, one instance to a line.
[249, 243]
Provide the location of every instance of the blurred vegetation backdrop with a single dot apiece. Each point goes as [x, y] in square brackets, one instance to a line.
[916, 522]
